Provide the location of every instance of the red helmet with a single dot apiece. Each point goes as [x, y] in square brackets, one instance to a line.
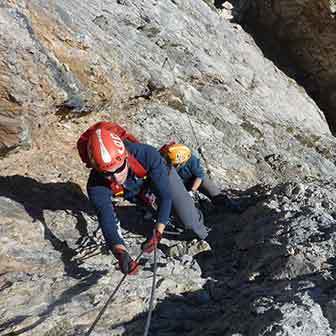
[106, 151]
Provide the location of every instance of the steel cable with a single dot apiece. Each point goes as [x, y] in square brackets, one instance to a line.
[199, 147]
[152, 297]
[109, 300]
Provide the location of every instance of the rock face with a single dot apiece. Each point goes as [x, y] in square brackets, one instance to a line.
[306, 32]
[166, 70]
[173, 70]
[275, 274]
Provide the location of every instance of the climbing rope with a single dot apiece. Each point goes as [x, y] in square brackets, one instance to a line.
[151, 301]
[152, 297]
[88, 333]
[199, 147]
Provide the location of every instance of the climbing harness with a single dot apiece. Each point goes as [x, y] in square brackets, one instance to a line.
[151, 301]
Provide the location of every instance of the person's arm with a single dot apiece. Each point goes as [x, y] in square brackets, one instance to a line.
[101, 199]
[197, 171]
[196, 184]
[158, 174]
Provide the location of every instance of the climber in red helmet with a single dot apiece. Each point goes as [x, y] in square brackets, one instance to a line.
[121, 166]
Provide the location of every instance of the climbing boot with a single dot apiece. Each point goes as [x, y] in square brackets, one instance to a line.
[191, 248]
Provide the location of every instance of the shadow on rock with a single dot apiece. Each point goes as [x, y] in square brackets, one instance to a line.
[36, 197]
[175, 315]
[132, 218]
[66, 297]
[272, 271]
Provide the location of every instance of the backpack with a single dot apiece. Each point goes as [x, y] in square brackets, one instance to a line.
[116, 129]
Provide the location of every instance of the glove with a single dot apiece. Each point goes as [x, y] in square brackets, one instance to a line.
[126, 264]
[148, 199]
[149, 245]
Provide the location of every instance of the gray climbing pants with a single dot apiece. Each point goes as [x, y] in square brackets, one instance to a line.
[209, 188]
[184, 207]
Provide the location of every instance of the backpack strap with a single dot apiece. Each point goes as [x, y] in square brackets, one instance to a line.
[136, 166]
[117, 189]
[164, 149]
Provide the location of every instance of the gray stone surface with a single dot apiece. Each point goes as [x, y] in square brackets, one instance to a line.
[165, 70]
[277, 266]
[300, 36]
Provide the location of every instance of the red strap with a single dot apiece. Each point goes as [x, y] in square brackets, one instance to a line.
[138, 170]
[117, 189]
[136, 166]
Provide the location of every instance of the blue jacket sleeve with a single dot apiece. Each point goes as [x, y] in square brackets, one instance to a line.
[101, 199]
[196, 167]
[158, 174]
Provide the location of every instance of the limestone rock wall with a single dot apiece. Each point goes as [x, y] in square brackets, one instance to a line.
[306, 32]
[165, 70]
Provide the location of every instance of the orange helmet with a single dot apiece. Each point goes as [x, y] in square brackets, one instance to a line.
[177, 154]
[106, 151]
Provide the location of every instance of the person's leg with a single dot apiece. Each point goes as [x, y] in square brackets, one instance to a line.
[184, 207]
[217, 197]
[209, 188]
